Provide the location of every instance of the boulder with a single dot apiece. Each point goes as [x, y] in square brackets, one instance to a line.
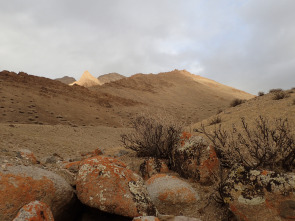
[259, 194]
[170, 190]
[20, 185]
[152, 166]
[195, 160]
[35, 210]
[105, 183]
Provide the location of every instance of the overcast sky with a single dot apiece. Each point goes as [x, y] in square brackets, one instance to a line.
[247, 44]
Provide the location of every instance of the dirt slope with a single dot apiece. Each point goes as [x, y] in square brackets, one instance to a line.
[188, 97]
[265, 106]
[28, 99]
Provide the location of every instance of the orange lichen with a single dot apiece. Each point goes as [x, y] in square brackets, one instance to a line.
[209, 165]
[184, 137]
[264, 172]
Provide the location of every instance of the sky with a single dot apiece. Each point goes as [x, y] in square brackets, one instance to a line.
[246, 44]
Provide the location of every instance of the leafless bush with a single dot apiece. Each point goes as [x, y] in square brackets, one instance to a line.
[263, 146]
[154, 136]
[275, 90]
[215, 120]
[280, 95]
[260, 93]
[237, 102]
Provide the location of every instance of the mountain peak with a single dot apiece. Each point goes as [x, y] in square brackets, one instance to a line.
[87, 80]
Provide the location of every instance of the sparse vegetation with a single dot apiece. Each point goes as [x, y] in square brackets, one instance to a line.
[293, 102]
[237, 102]
[280, 95]
[153, 136]
[260, 93]
[275, 90]
[263, 146]
[215, 120]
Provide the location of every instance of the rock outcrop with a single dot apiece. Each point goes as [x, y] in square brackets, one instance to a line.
[106, 184]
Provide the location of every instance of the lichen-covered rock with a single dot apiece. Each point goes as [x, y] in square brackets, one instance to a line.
[106, 183]
[193, 159]
[35, 211]
[170, 190]
[259, 195]
[27, 155]
[146, 218]
[152, 166]
[20, 185]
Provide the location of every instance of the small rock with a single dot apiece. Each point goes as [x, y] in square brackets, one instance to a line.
[170, 190]
[35, 210]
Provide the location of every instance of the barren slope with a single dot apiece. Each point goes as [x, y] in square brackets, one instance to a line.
[35, 100]
[264, 106]
[188, 97]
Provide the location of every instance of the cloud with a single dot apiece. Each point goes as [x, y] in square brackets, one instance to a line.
[245, 44]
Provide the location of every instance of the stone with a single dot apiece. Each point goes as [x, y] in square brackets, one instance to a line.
[152, 166]
[192, 159]
[27, 155]
[105, 183]
[170, 190]
[20, 185]
[259, 194]
[35, 210]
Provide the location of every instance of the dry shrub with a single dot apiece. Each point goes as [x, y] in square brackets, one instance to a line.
[215, 120]
[153, 136]
[237, 102]
[260, 93]
[275, 90]
[280, 95]
[263, 146]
